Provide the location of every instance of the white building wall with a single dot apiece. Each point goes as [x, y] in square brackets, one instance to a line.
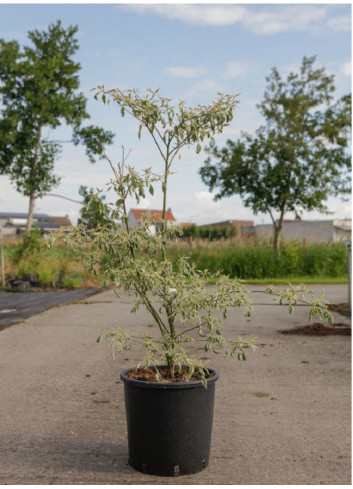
[342, 230]
[131, 219]
[133, 222]
[9, 232]
[311, 231]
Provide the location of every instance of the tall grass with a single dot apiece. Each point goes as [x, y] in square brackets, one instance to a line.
[47, 263]
[247, 261]
[254, 260]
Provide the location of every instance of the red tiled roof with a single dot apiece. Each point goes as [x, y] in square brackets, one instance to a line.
[156, 215]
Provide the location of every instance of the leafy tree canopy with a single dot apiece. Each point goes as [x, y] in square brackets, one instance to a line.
[39, 90]
[298, 158]
[94, 212]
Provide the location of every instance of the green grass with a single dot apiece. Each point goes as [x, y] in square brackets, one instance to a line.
[254, 263]
[298, 280]
[47, 263]
[293, 281]
[257, 262]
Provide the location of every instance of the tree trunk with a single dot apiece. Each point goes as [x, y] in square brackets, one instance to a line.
[30, 214]
[33, 172]
[276, 238]
[277, 229]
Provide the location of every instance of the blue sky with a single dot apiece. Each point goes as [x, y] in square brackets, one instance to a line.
[190, 52]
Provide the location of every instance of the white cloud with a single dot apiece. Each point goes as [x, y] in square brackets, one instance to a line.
[206, 198]
[342, 23]
[195, 14]
[206, 86]
[346, 68]
[284, 19]
[201, 208]
[235, 69]
[184, 71]
[143, 204]
[90, 179]
[10, 199]
[268, 19]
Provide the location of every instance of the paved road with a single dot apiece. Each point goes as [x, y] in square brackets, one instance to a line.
[16, 306]
[281, 417]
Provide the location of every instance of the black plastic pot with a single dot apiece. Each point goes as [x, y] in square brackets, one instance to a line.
[169, 425]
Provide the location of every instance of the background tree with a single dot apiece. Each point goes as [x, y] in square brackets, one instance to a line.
[298, 158]
[38, 90]
[212, 233]
[94, 212]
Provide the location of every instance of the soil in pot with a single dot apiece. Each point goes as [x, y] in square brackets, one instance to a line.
[148, 374]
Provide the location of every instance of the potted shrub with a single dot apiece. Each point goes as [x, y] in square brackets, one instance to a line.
[169, 394]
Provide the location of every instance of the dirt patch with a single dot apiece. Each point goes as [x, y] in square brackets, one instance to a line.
[341, 308]
[318, 329]
[150, 375]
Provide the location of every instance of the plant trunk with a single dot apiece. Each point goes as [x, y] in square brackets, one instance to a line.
[164, 224]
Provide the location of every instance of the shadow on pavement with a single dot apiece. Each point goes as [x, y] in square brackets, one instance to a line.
[66, 455]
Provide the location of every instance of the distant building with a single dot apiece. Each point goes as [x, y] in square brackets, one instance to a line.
[62, 221]
[185, 224]
[328, 231]
[135, 216]
[14, 223]
[239, 224]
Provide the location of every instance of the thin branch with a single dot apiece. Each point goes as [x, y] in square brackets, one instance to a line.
[191, 329]
[63, 197]
[111, 165]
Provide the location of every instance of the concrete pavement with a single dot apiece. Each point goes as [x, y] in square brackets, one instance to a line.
[281, 417]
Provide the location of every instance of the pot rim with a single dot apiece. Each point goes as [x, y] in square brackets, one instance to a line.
[167, 385]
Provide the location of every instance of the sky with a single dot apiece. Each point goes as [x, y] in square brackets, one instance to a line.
[190, 52]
